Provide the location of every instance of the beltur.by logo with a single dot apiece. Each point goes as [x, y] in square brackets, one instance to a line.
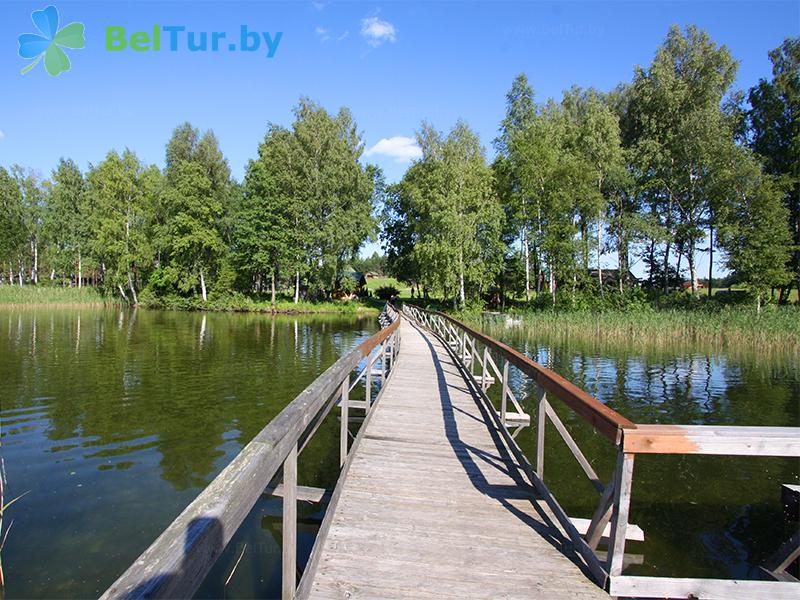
[49, 43]
[176, 37]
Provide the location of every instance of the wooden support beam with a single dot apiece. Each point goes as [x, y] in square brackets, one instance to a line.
[541, 421]
[513, 419]
[633, 533]
[601, 516]
[289, 580]
[573, 447]
[343, 426]
[619, 520]
[723, 589]
[304, 493]
[504, 395]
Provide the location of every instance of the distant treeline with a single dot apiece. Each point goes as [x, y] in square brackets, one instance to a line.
[301, 214]
[657, 170]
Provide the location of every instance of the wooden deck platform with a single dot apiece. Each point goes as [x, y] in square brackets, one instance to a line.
[433, 505]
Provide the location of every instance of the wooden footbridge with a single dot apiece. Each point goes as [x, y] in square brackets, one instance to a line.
[435, 499]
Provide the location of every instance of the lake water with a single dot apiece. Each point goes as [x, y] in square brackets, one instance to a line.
[703, 516]
[114, 420]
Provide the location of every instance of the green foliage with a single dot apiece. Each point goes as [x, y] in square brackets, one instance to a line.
[385, 292]
[453, 229]
[66, 218]
[197, 189]
[12, 224]
[758, 240]
[118, 210]
[774, 126]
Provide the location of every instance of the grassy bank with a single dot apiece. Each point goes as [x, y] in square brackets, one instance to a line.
[242, 303]
[32, 296]
[726, 327]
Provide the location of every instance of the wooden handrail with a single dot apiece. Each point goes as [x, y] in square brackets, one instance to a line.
[176, 563]
[605, 420]
[713, 439]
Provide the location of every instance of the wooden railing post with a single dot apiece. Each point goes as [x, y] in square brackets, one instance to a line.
[623, 478]
[483, 367]
[504, 394]
[368, 384]
[384, 361]
[541, 421]
[289, 525]
[343, 431]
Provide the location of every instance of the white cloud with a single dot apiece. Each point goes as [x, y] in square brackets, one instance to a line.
[401, 149]
[318, 5]
[376, 31]
[344, 35]
[2, 135]
[324, 34]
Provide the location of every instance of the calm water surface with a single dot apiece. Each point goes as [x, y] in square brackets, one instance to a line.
[116, 419]
[703, 516]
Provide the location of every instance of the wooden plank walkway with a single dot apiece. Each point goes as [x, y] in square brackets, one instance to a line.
[433, 506]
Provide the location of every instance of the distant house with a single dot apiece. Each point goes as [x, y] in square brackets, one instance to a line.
[687, 285]
[372, 275]
[611, 277]
[358, 285]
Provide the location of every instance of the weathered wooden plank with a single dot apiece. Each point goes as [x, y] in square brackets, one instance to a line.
[724, 589]
[289, 543]
[713, 439]
[633, 533]
[303, 493]
[623, 479]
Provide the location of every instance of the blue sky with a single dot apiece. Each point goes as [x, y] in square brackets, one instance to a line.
[393, 63]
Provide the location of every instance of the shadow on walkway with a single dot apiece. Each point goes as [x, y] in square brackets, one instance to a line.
[469, 455]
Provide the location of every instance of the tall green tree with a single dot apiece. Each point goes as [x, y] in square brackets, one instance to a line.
[197, 191]
[757, 239]
[65, 220]
[594, 139]
[774, 120]
[119, 207]
[682, 124]
[265, 235]
[458, 216]
[12, 224]
[520, 114]
[333, 190]
[549, 176]
[33, 205]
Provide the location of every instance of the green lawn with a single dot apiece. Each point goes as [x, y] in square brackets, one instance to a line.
[374, 284]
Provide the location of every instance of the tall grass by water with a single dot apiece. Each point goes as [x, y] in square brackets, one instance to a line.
[36, 295]
[42, 295]
[776, 328]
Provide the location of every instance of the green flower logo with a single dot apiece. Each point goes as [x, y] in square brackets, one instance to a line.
[48, 45]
